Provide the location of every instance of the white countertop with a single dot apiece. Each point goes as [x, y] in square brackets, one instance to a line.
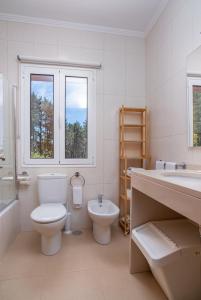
[179, 190]
[185, 181]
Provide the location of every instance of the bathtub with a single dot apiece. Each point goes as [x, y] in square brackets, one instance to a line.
[9, 226]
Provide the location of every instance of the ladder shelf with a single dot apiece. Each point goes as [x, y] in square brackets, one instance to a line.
[133, 152]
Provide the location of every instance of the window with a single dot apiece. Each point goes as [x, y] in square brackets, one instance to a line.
[194, 106]
[58, 115]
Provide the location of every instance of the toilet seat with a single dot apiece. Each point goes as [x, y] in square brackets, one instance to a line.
[48, 213]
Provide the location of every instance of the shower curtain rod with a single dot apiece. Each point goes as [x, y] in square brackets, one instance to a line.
[53, 62]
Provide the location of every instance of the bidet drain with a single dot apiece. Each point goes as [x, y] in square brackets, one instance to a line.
[77, 232]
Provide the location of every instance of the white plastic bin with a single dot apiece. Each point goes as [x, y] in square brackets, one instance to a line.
[173, 251]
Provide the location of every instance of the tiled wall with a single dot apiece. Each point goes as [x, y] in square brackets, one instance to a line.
[9, 226]
[121, 81]
[175, 35]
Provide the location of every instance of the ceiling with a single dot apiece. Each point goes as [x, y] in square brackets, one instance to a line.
[131, 15]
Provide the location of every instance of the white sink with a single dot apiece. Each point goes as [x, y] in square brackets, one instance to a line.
[190, 174]
[190, 177]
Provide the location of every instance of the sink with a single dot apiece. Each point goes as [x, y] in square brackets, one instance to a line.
[189, 174]
[189, 177]
[7, 178]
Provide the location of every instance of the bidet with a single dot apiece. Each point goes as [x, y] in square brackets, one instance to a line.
[103, 214]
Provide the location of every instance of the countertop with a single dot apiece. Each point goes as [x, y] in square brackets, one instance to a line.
[185, 181]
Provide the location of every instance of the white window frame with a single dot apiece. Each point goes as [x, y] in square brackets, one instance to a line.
[91, 106]
[191, 81]
[59, 74]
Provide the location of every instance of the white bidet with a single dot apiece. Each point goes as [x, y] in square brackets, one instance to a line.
[103, 214]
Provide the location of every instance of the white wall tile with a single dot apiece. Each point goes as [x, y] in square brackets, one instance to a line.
[196, 24]
[70, 36]
[111, 163]
[21, 32]
[111, 112]
[3, 55]
[111, 192]
[114, 73]
[114, 43]
[133, 101]
[46, 34]
[46, 50]
[68, 52]
[134, 45]
[3, 30]
[92, 40]
[135, 70]
[68, 44]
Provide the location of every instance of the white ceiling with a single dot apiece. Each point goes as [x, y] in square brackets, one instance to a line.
[132, 15]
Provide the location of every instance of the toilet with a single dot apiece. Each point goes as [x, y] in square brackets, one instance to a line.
[103, 215]
[49, 218]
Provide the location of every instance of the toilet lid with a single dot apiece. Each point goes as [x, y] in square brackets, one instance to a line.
[47, 213]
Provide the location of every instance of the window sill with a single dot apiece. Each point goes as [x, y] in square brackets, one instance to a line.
[58, 166]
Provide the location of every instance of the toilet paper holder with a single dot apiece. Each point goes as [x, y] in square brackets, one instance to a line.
[77, 175]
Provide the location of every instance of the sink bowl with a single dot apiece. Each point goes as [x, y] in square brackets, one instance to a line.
[190, 178]
[183, 174]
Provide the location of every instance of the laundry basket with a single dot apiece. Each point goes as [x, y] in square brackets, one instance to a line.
[173, 251]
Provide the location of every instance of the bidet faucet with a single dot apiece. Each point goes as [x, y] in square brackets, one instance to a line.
[100, 198]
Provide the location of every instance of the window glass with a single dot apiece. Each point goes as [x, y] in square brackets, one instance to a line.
[76, 117]
[41, 116]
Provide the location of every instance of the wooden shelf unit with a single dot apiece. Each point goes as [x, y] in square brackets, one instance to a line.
[133, 152]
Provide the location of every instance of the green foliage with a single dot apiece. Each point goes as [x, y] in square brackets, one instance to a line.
[197, 116]
[42, 127]
[76, 140]
[42, 132]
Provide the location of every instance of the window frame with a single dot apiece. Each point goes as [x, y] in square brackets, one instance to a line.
[59, 74]
[191, 81]
[91, 108]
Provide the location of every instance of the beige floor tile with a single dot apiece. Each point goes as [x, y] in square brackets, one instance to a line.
[23, 258]
[21, 289]
[74, 285]
[133, 287]
[83, 269]
[21, 266]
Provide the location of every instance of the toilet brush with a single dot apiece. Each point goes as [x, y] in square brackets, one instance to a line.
[67, 229]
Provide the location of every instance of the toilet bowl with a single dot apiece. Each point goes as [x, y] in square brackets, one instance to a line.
[48, 220]
[103, 215]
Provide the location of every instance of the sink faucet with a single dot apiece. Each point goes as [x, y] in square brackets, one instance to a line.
[2, 156]
[181, 165]
[100, 198]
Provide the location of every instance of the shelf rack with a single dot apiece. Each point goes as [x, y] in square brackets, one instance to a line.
[133, 152]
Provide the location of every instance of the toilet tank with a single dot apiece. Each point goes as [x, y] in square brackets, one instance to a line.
[52, 188]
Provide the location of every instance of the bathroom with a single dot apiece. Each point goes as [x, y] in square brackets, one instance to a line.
[136, 54]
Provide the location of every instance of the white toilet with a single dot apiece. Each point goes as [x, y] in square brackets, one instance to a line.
[49, 218]
[103, 213]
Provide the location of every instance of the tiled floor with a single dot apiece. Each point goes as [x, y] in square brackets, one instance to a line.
[82, 270]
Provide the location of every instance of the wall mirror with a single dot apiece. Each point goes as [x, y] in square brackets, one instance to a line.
[194, 97]
[1, 114]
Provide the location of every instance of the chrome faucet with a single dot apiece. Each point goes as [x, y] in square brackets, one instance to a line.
[100, 199]
[181, 165]
[2, 156]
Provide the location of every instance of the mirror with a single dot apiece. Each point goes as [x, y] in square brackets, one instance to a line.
[194, 97]
[1, 114]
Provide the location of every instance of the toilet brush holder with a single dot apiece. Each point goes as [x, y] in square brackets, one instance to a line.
[67, 229]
